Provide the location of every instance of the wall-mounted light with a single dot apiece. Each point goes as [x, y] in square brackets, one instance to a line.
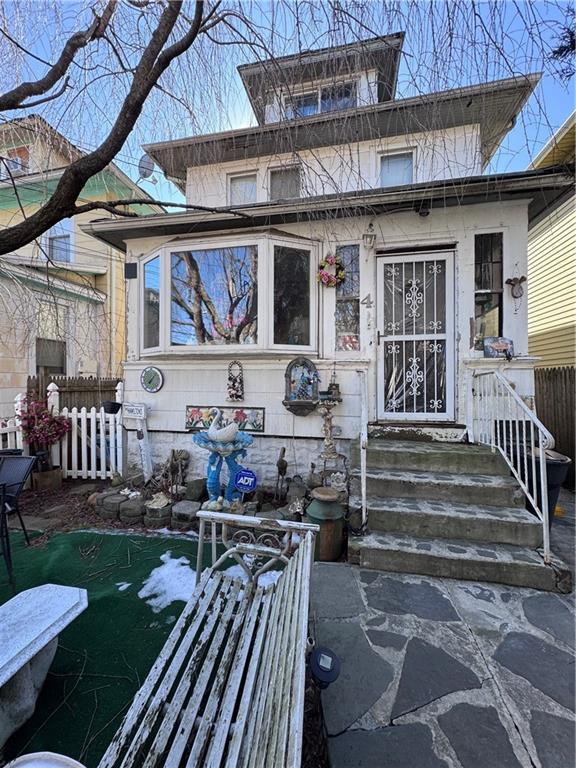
[423, 209]
[369, 237]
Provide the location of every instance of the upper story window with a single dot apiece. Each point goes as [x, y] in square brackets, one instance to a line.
[14, 162]
[242, 189]
[251, 291]
[488, 259]
[396, 169]
[58, 242]
[329, 98]
[285, 183]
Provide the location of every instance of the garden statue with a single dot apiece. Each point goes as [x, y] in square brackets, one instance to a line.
[226, 444]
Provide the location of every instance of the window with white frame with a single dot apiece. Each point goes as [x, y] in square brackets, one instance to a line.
[247, 292]
[242, 189]
[58, 242]
[285, 183]
[328, 98]
[348, 300]
[14, 162]
[396, 169]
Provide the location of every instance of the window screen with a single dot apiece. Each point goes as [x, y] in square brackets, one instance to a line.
[285, 183]
[396, 170]
[242, 190]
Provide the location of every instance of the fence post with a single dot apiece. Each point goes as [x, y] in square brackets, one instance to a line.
[19, 408]
[53, 403]
[120, 433]
[120, 392]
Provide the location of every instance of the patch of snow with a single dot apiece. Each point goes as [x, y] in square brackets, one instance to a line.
[122, 585]
[173, 580]
[267, 578]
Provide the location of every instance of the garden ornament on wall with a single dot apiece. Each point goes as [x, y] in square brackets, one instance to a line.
[301, 386]
[235, 387]
[226, 445]
[516, 290]
[331, 271]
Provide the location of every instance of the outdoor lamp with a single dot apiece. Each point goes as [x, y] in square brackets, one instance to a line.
[369, 237]
[324, 666]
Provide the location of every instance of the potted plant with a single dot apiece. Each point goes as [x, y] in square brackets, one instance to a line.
[41, 429]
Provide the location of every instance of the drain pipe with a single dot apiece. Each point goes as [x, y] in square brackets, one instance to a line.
[363, 443]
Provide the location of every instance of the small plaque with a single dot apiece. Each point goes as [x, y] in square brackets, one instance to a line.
[498, 346]
[245, 481]
[134, 410]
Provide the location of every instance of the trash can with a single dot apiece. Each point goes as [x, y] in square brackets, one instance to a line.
[325, 511]
[557, 466]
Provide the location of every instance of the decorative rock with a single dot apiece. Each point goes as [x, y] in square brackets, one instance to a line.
[132, 511]
[117, 480]
[92, 499]
[251, 508]
[271, 514]
[185, 511]
[195, 489]
[158, 514]
[104, 495]
[113, 502]
[158, 501]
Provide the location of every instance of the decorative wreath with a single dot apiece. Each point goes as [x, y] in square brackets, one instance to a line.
[331, 271]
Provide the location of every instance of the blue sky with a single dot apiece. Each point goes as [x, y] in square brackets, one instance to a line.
[445, 46]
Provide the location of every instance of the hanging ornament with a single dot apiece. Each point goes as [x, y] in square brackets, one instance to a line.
[516, 290]
[235, 381]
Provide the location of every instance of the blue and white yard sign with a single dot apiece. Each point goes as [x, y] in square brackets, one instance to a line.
[245, 481]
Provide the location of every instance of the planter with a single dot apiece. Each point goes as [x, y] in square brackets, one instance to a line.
[47, 481]
[111, 406]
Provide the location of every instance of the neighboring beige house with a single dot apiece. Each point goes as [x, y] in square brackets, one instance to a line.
[552, 262]
[62, 298]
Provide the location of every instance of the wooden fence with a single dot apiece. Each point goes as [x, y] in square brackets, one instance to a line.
[74, 391]
[555, 389]
[10, 434]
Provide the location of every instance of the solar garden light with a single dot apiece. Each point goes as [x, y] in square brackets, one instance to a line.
[324, 666]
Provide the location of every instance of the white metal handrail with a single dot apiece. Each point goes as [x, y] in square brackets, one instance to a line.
[363, 443]
[502, 420]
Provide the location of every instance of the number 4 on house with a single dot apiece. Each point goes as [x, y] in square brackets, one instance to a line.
[367, 301]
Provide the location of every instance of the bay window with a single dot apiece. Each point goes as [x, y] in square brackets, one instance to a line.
[248, 292]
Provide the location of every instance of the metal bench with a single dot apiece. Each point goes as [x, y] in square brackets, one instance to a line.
[228, 687]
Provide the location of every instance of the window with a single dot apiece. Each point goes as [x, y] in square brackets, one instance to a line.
[58, 242]
[488, 254]
[15, 162]
[329, 98]
[285, 183]
[242, 189]
[214, 296]
[396, 169]
[291, 296]
[151, 304]
[248, 292]
[348, 301]
[50, 356]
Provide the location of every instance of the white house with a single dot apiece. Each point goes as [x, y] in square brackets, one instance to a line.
[335, 166]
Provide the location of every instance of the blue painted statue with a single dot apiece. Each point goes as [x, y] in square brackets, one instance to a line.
[225, 444]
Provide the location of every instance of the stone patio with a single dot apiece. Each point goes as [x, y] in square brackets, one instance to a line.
[440, 672]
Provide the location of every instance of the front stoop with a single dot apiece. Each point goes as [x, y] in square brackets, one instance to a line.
[451, 511]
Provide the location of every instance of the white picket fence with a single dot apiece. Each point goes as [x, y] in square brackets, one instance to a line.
[93, 449]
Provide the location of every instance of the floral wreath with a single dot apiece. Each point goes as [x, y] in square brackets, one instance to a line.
[331, 271]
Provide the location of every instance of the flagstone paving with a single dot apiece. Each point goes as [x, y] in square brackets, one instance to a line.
[445, 674]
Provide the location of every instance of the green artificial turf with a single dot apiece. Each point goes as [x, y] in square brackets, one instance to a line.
[105, 654]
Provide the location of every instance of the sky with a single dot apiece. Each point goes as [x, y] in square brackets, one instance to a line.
[448, 43]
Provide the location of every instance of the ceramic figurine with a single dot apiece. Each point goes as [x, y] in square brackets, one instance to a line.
[235, 381]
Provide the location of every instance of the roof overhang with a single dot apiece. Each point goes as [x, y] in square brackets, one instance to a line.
[493, 106]
[537, 186]
[39, 279]
[336, 63]
[560, 148]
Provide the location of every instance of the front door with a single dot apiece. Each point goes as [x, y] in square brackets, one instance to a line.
[416, 336]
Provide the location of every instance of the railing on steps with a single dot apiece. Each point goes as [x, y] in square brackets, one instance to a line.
[363, 442]
[502, 420]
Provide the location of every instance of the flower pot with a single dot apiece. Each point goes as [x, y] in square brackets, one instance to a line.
[47, 481]
[111, 406]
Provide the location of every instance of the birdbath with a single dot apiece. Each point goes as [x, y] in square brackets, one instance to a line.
[225, 445]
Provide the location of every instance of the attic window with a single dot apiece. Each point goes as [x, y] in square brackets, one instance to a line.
[15, 162]
[329, 98]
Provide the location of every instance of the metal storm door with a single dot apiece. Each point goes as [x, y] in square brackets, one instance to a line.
[416, 337]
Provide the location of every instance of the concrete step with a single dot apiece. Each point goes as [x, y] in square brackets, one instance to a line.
[451, 520]
[436, 486]
[458, 559]
[410, 455]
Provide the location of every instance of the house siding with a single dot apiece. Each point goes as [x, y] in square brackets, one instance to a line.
[552, 287]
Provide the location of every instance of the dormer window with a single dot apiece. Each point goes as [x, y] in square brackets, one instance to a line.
[14, 162]
[328, 98]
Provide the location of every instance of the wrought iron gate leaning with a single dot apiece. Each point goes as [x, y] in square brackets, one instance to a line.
[416, 324]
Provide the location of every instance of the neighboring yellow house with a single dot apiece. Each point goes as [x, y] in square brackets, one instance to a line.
[552, 263]
[62, 298]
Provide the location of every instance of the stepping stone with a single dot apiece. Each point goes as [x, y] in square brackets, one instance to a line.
[429, 673]
[398, 746]
[554, 738]
[546, 667]
[551, 614]
[478, 737]
[185, 511]
[405, 598]
[334, 592]
[364, 675]
[387, 639]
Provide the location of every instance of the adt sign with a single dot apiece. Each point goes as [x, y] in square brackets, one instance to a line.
[245, 481]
